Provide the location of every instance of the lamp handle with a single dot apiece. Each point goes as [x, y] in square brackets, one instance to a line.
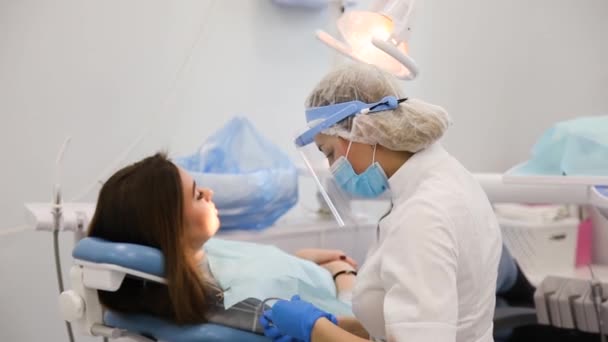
[410, 70]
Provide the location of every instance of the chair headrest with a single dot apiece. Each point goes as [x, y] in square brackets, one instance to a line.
[136, 257]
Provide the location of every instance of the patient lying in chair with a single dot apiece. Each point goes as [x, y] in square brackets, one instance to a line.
[155, 203]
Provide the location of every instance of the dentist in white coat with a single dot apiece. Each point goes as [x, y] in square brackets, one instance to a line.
[431, 274]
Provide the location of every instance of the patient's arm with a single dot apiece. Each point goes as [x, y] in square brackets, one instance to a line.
[323, 256]
[344, 282]
[344, 285]
[337, 261]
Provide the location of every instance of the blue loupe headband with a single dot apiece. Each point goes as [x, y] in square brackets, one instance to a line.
[335, 113]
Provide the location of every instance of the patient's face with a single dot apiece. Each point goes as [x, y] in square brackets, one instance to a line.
[200, 215]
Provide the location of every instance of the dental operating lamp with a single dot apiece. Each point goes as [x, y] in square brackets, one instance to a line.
[378, 36]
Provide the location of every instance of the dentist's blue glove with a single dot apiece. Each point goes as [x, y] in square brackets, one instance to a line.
[296, 318]
[273, 332]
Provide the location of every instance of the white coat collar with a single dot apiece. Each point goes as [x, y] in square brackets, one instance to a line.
[404, 181]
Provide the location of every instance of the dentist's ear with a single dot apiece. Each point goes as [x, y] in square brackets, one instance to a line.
[343, 143]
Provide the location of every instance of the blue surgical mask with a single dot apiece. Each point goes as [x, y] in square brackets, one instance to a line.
[369, 184]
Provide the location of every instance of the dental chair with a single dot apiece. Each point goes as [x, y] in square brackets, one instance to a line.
[103, 265]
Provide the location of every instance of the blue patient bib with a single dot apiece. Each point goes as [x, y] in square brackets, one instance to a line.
[248, 270]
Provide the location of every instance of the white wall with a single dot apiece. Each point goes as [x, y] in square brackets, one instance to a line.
[505, 70]
[105, 72]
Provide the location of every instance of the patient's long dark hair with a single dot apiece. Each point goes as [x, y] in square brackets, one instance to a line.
[143, 204]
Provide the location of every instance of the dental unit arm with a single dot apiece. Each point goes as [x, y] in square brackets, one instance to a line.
[501, 188]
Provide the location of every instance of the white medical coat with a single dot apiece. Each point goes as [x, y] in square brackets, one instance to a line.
[431, 276]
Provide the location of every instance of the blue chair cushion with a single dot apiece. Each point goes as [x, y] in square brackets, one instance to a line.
[166, 331]
[136, 257]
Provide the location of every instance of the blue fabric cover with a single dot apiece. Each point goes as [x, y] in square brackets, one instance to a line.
[577, 147]
[255, 182]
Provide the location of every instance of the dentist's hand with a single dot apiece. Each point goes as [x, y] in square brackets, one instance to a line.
[273, 332]
[295, 318]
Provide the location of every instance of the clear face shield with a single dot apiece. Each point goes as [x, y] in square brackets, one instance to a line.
[335, 199]
[320, 119]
